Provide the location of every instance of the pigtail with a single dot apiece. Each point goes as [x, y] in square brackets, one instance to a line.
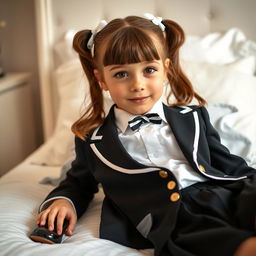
[180, 86]
[94, 114]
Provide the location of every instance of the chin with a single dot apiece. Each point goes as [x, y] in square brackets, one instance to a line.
[139, 110]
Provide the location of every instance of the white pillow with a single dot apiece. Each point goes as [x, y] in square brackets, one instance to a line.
[246, 65]
[223, 84]
[72, 87]
[218, 48]
[63, 49]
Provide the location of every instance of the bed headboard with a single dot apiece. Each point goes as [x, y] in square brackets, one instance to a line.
[197, 17]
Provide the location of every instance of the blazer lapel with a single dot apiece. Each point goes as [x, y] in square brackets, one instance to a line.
[107, 146]
[185, 127]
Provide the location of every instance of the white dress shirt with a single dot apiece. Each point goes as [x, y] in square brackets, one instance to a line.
[155, 145]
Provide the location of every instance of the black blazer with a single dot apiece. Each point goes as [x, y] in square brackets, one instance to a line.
[141, 202]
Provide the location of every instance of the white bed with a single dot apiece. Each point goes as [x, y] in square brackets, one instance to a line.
[218, 56]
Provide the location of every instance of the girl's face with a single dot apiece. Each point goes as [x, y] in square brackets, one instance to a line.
[136, 87]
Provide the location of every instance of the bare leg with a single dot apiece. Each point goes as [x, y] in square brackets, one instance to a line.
[247, 248]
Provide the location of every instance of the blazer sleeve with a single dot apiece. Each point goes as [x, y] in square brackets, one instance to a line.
[221, 158]
[79, 185]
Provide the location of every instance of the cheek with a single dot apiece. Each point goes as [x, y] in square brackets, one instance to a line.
[157, 90]
[157, 85]
[115, 93]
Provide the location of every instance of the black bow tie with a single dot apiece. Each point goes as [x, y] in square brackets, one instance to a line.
[136, 122]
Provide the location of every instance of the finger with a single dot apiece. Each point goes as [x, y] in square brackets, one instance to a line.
[43, 217]
[71, 225]
[38, 219]
[60, 221]
[51, 219]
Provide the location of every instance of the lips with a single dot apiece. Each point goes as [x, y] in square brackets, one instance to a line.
[139, 99]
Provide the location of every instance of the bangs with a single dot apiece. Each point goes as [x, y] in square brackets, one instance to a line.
[130, 45]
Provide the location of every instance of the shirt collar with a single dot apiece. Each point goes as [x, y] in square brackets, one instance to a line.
[122, 117]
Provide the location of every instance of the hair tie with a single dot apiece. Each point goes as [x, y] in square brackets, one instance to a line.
[156, 20]
[90, 44]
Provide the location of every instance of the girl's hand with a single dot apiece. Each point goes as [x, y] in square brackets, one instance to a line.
[59, 210]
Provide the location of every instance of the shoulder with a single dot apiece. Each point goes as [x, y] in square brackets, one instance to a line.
[80, 143]
[200, 113]
[186, 108]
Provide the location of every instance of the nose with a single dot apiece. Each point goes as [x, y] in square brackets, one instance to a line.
[137, 84]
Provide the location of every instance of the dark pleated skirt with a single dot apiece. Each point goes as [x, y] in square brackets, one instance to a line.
[214, 219]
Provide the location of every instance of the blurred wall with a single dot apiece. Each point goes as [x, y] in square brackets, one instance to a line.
[19, 47]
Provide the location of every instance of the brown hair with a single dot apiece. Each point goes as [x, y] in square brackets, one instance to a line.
[130, 40]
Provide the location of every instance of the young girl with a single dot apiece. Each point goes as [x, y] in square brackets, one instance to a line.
[169, 184]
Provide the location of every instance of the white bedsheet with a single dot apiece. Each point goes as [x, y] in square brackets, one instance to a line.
[20, 196]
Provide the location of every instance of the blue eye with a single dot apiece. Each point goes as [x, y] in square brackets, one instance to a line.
[121, 74]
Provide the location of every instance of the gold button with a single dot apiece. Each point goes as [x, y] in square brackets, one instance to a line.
[163, 174]
[171, 185]
[175, 197]
[201, 168]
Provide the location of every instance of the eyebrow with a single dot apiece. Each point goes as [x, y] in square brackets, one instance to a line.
[116, 67]
[122, 65]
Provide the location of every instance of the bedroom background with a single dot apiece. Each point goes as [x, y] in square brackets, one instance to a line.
[21, 120]
[20, 42]
[41, 96]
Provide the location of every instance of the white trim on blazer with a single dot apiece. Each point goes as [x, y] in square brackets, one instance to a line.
[195, 146]
[121, 169]
[196, 138]
[151, 169]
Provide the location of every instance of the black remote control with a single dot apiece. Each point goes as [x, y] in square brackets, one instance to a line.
[41, 234]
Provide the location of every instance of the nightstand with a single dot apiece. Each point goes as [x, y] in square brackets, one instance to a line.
[17, 125]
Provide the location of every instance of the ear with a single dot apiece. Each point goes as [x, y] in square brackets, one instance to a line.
[100, 79]
[166, 64]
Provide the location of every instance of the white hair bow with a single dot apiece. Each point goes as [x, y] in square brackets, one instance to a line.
[156, 20]
[90, 44]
